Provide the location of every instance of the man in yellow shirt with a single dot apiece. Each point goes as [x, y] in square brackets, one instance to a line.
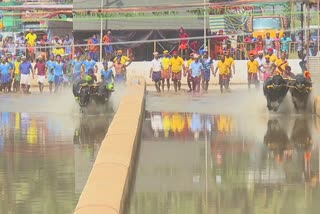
[31, 38]
[282, 63]
[230, 62]
[224, 73]
[16, 75]
[188, 73]
[123, 59]
[253, 70]
[165, 74]
[176, 66]
[58, 50]
[273, 57]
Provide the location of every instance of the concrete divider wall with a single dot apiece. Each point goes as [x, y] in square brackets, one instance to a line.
[108, 185]
[317, 106]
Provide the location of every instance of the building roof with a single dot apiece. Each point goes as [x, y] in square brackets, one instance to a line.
[148, 21]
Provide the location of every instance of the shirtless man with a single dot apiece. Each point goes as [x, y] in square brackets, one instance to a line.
[120, 70]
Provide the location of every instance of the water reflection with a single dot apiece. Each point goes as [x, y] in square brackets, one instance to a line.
[42, 168]
[188, 125]
[274, 172]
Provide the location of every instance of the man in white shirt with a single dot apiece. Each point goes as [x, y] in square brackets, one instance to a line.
[155, 71]
[261, 60]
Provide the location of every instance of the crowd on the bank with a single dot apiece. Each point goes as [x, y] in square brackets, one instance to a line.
[31, 43]
[17, 73]
[63, 64]
[199, 68]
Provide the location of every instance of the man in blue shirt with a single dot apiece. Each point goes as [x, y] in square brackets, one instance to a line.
[208, 68]
[285, 42]
[5, 73]
[196, 69]
[58, 73]
[50, 71]
[76, 67]
[26, 69]
[107, 76]
[90, 64]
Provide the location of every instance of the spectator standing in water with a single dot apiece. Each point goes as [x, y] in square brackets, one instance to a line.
[224, 73]
[58, 73]
[176, 67]
[40, 69]
[50, 67]
[165, 73]
[5, 72]
[208, 69]
[16, 75]
[155, 71]
[187, 72]
[253, 70]
[26, 71]
[196, 69]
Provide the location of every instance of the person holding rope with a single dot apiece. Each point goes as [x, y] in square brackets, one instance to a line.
[107, 76]
[76, 67]
[282, 63]
[267, 68]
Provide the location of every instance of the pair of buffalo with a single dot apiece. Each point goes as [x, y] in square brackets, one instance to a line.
[96, 93]
[276, 88]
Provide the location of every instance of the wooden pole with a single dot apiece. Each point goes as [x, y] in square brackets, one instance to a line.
[154, 46]
[209, 47]
[318, 32]
[308, 28]
[292, 23]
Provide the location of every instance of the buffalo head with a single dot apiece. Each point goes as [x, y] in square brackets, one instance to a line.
[84, 96]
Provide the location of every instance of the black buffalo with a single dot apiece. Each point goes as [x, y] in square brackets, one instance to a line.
[300, 89]
[275, 90]
[86, 93]
[100, 93]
